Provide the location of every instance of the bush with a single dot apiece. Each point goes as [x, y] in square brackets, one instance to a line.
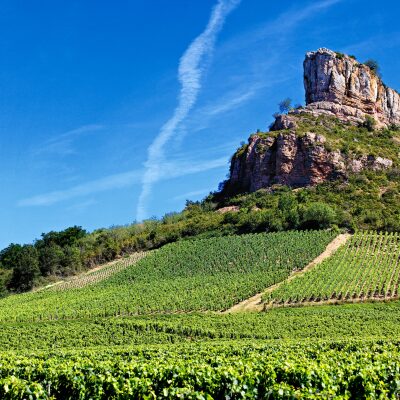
[9, 256]
[373, 65]
[369, 123]
[318, 216]
[50, 258]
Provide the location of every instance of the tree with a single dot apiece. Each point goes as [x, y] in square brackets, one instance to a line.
[71, 262]
[67, 237]
[50, 258]
[26, 269]
[373, 65]
[285, 105]
[9, 255]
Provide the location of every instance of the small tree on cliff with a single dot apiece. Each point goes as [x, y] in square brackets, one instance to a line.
[373, 65]
[285, 105]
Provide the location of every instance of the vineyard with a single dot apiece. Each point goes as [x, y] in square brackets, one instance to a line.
[119, 332]
[366, 267]
[98, 275]
[192, 275]
[232, 370]
[363, 320]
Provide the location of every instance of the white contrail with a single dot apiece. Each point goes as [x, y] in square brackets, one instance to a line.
[190, 71]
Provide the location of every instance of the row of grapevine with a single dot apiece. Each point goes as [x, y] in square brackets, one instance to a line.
[366, 267]
[361, 321]
[342, 370]
[98, 275]
[191, 275]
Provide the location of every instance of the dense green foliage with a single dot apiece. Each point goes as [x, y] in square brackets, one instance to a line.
[56, 253]
[367, 201]
[348, 370]
[66, 349]
[367, 266]
[194, 355]
[203, 274]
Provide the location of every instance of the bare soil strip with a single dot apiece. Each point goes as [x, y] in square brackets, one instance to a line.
[254, 303]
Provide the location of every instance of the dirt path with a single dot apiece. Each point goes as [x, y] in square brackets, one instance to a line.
[254, 303]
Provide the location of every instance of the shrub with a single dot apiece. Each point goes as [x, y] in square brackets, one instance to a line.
[369, 123]
[318, 216]
[373, 66]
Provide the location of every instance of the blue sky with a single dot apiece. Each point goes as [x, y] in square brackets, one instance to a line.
[113, 111]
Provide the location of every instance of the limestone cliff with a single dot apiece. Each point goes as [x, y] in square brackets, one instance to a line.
[339, 85]
[297, 153]
[295, 161]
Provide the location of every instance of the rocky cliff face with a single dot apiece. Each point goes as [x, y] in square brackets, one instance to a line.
[339, 85]
[293, 160]
[336, 85]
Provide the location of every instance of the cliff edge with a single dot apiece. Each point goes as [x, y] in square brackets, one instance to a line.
[337, 84]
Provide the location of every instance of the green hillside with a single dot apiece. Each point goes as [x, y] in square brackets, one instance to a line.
[366, 267]
[207, 274]
[96, 275]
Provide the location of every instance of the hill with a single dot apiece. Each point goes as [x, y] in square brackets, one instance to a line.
[198, 275]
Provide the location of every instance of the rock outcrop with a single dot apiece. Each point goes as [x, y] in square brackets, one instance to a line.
[335, 85]
[295, 161]
[339, 85]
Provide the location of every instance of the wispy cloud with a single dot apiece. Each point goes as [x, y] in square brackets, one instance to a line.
[190, 72]
[118, 181]
[190, 195]
[99, 185]
[62, 145]
[230, 102]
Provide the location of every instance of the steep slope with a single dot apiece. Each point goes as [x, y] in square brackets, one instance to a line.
[95, 275]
